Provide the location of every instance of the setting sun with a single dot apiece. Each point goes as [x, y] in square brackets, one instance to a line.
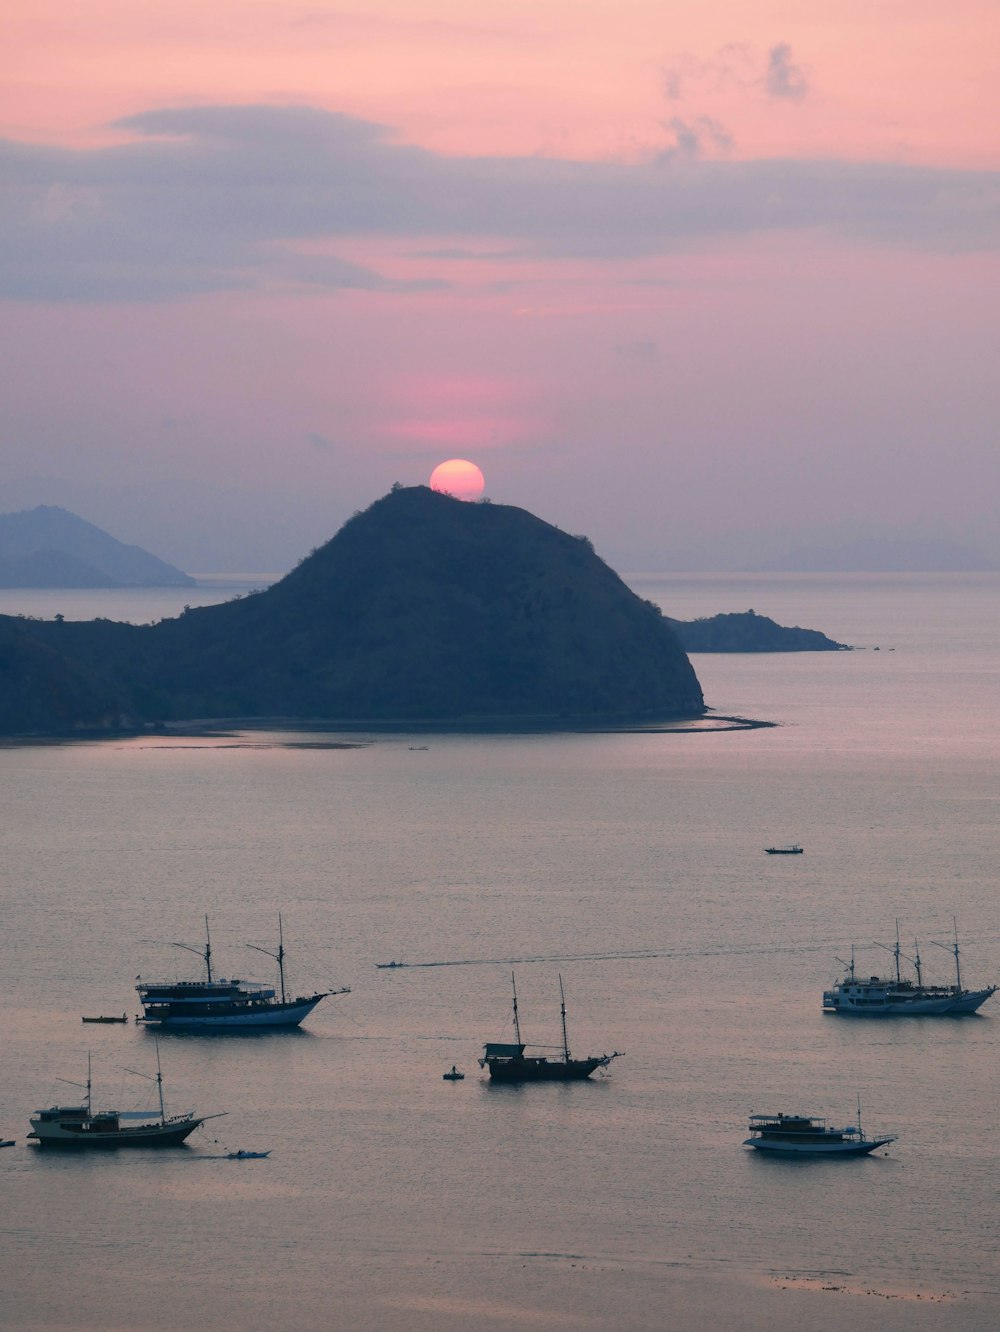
[458, 478]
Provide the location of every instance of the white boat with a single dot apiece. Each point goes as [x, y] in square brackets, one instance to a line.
[82, 1127]
[217, 1004]
[809, 1135]
[897, 996]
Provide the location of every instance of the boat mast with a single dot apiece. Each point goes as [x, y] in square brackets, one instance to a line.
[159, 1074]
[896, 951]
[958, 969]
[849, 966]
[204, 953]
[916, 963]
[279, 956]
[562, 1011]
[517, 1024]
[158, 1079]
[70, 1083]
[953, 948]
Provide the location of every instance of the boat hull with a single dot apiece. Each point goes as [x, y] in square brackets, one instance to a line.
[928, 1005]
[56, 1137]
[254, 1017]
[543, 1070]
[817, 1148]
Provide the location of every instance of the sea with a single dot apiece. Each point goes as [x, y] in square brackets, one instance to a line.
[631, 865]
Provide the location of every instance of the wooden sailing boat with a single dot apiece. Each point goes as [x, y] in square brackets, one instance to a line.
[224, 1005]
[80, 1126]
[508, 1062]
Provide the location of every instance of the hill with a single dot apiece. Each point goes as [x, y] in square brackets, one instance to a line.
[747, 631]
[43, 690]
[422, 608]
[51, 547]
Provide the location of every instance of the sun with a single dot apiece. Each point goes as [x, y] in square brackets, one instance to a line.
[463, 480]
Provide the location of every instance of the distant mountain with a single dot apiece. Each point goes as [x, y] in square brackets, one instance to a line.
[51, 547]
[749, 632]
[881, 556]
[422, 608]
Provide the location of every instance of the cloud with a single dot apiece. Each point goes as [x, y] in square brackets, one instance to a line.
[322, 443]
[207, 199]
[784, 78]
[691, 137]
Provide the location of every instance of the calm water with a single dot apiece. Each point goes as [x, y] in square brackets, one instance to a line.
[630, 864]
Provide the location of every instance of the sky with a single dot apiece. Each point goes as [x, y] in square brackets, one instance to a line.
[707, 282]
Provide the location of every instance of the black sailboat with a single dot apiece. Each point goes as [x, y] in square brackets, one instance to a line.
[507, 1062]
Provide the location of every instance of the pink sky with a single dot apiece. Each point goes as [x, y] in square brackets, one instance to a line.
[705, 282]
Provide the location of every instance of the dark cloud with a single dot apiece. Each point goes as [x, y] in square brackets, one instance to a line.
[784, 78]
[320, 442]
[692, 137]
[228, 198]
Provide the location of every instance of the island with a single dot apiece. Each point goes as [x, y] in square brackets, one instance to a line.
[747, 631]
[51, 547]
[422, 609]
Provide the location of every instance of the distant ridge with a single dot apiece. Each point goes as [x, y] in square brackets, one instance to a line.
[422, 608]
[51, 547]
[746, 631]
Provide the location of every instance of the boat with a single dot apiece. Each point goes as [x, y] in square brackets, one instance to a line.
[809, 1135]
[8, 1142]
[898, 996]
[123, 1018]
[80, 1126]
[247, 1156]
[215, 1004]
[507, 1062]
[793, 850]
[389, 966]
[453, 1075]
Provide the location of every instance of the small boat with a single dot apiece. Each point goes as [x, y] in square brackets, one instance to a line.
[454, 1075]
[123, 1018]
[389, 966]
[80, 1126]
[509, 1063]
[246, 1156]
[793, 850]
[898, 996]
[222, 1005]
[808, 1135]
[8, 1142]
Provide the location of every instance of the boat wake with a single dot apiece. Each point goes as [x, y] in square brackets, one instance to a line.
[620, 955]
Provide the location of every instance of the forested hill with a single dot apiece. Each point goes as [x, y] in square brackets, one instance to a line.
[746, 631]
[423, 608]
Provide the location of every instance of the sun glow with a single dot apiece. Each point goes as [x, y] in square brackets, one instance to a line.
[463, 480]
